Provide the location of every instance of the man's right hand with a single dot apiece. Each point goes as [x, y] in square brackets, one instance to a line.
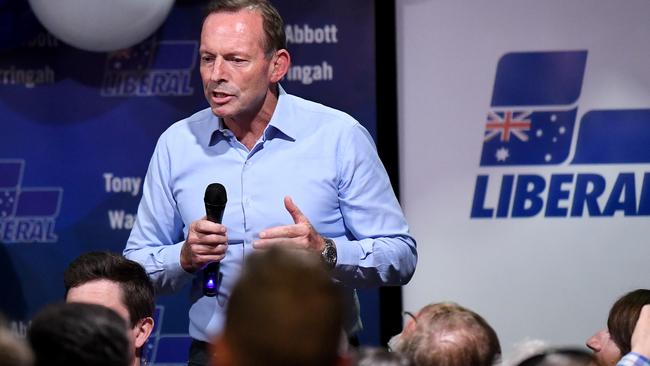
[641, 335]
[206, 242]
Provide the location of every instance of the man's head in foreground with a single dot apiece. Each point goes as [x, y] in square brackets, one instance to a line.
[116, 282]
[79, 334]
[284, 310]
[448, 334]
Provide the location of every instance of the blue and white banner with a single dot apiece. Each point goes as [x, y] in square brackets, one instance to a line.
[525, 159]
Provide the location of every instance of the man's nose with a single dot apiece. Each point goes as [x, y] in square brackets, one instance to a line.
[594, 342]
[218, 73]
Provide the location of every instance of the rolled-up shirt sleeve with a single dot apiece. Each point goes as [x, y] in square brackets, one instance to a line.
[377, 248]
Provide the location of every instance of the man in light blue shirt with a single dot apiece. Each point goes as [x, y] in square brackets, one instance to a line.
[297, 174]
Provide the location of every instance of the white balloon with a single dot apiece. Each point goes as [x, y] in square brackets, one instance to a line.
[101, 25]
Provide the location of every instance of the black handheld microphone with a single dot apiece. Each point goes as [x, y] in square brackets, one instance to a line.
[215, 203]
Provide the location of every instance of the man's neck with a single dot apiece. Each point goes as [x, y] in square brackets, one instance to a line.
[249, 129]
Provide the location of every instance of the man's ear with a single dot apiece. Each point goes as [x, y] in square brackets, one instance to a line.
[279, 65]
[142, 331]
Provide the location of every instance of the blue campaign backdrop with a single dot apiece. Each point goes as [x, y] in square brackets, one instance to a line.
[79, 127]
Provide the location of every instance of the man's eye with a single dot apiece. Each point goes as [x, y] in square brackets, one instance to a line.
[207, 59]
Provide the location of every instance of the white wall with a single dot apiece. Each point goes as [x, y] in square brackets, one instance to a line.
[540, 277]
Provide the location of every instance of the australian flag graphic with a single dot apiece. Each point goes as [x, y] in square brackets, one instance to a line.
[533, 113]
[10, 173]
[136, 58]
[22, 202]
[151, 54]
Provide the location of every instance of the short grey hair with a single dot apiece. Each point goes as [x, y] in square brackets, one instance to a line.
[271, 20]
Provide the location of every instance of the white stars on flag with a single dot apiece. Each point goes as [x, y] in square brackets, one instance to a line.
[502, 154]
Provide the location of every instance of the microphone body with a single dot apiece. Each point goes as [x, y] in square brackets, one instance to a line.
[215, 204]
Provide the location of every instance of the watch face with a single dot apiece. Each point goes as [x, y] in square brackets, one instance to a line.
[329, 253]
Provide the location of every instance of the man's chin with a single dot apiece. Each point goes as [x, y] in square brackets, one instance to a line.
[220, 111]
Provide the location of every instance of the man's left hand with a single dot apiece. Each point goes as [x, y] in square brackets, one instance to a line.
[300, 235]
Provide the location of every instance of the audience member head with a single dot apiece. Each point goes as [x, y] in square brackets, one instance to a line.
[448, 334]
[560, 357]
[14, 351]
[610, 344]
[524, 349]
[116, 282]
[79, 334]
[377, 356]
[284, 310]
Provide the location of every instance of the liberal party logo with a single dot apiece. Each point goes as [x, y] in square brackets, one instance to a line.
[27, 214]
[151, 68]
[532, 123]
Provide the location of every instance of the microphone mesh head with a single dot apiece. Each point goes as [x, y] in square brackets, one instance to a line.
[215, 194]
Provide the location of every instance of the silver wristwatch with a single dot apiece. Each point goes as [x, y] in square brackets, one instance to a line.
[329, 253]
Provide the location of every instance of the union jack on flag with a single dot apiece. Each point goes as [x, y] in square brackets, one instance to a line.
[505, 124]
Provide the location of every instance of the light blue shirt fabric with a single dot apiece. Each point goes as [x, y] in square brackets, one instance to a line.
[633, 359]
[323, 158]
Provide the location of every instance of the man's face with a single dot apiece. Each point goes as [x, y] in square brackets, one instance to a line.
[234, 68]
[606, 351]
[102, 292]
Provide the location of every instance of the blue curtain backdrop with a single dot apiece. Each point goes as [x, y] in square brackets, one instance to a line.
[79, 128]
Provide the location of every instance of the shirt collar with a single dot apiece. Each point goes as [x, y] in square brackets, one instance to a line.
[219, 130]
[281, 124]
[282, 120]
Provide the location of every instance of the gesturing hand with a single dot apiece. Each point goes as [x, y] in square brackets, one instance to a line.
[206, 242]
[300, 235]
